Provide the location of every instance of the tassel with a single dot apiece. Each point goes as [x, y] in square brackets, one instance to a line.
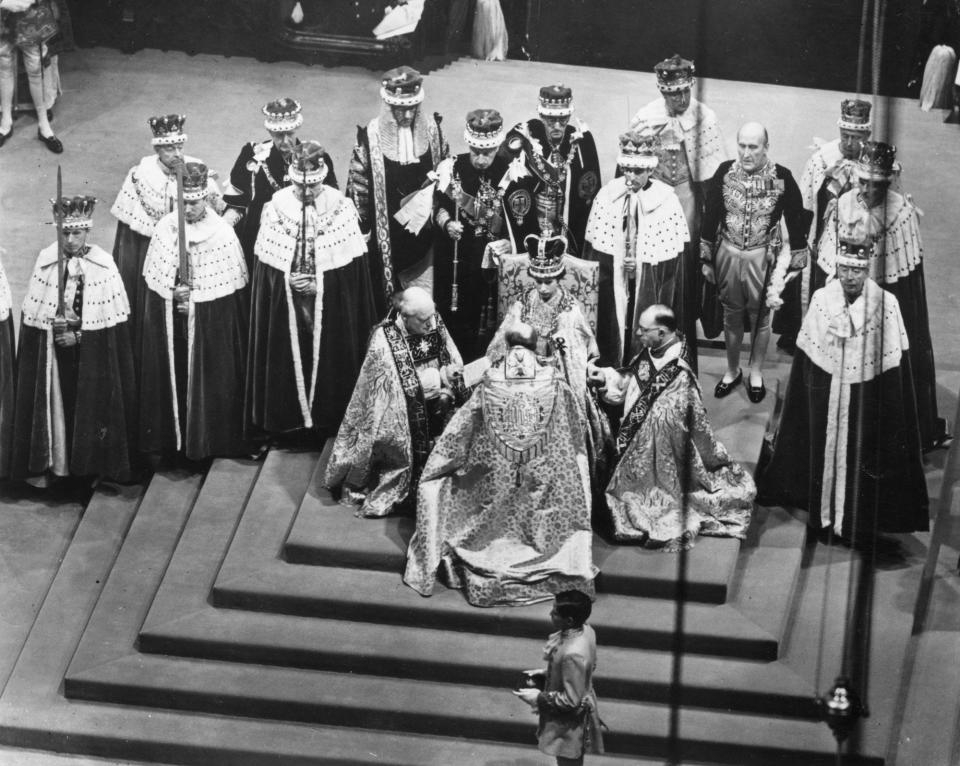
[296, 15]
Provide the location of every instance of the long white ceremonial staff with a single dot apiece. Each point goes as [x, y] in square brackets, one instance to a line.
[60, 259]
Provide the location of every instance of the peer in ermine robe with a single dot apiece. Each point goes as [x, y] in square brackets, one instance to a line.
[848, 444]
[311, 305]
[75, 410]
[193, 334]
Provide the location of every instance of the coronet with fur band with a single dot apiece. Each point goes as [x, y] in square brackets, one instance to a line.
[168, 129]
[307, 165]
[855, 255]
[855, 115]
[76, 213]
[878, 161]
[555, 101]
[402, 86]
[674, 74]
[638, 150]
[194, 181]
[546, 256]
[283, 115]
[484, 129]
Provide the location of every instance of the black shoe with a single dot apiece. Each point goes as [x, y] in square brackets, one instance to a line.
[52, 143]
[5, 136]
[724, 389]
[755, 393]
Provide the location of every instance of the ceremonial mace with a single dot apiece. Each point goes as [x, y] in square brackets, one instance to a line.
[455, 294]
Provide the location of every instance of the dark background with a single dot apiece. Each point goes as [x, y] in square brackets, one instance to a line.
[806, 43]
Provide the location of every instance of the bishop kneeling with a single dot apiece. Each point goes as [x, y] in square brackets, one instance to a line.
[673, 480]
[410, 382]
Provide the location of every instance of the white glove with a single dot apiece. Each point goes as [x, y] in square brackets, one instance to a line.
[430, 382]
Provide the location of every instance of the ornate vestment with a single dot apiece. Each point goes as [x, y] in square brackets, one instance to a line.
[850, 377]
[385, 438]
[193, 365]
[896, 263]
[75, 409]
[259, 172]
[305, 351]
[389, 166]
[148, 193]
[567, 175]
[503, 509]
[665, 423]
[650, 225]
[490, 206]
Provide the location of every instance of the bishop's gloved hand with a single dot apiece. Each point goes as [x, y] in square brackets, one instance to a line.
[181, 299]
[306, 284]
[64, 335]
[451, 374]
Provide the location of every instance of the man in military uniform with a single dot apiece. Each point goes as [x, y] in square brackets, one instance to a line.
[689, 151]
[480, 199]
[261, 170]
[563, 159]
[148, 193]
[742, 250]
[391, 161]
[829, 173]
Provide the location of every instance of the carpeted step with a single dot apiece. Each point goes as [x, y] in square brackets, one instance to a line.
[420, 707]
[327, 533]
[484, 660]
[381, 597]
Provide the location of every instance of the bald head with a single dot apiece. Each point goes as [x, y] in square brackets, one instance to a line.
[417, 309]
[752, 144]
[656, 326]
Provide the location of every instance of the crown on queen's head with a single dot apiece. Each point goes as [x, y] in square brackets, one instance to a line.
[546, 255]
[878, 160]
[854, 254]
[307, 164]
[555, 101]
[168, 129]
[674, 74]
[855, 115]
[283, 115]
[194, 181]
[484, 129]
[402, 86]
[638, 150]
[75, 213]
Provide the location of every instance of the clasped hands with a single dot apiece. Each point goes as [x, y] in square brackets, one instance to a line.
[454, 230]
[66, 332]
[305, 284]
